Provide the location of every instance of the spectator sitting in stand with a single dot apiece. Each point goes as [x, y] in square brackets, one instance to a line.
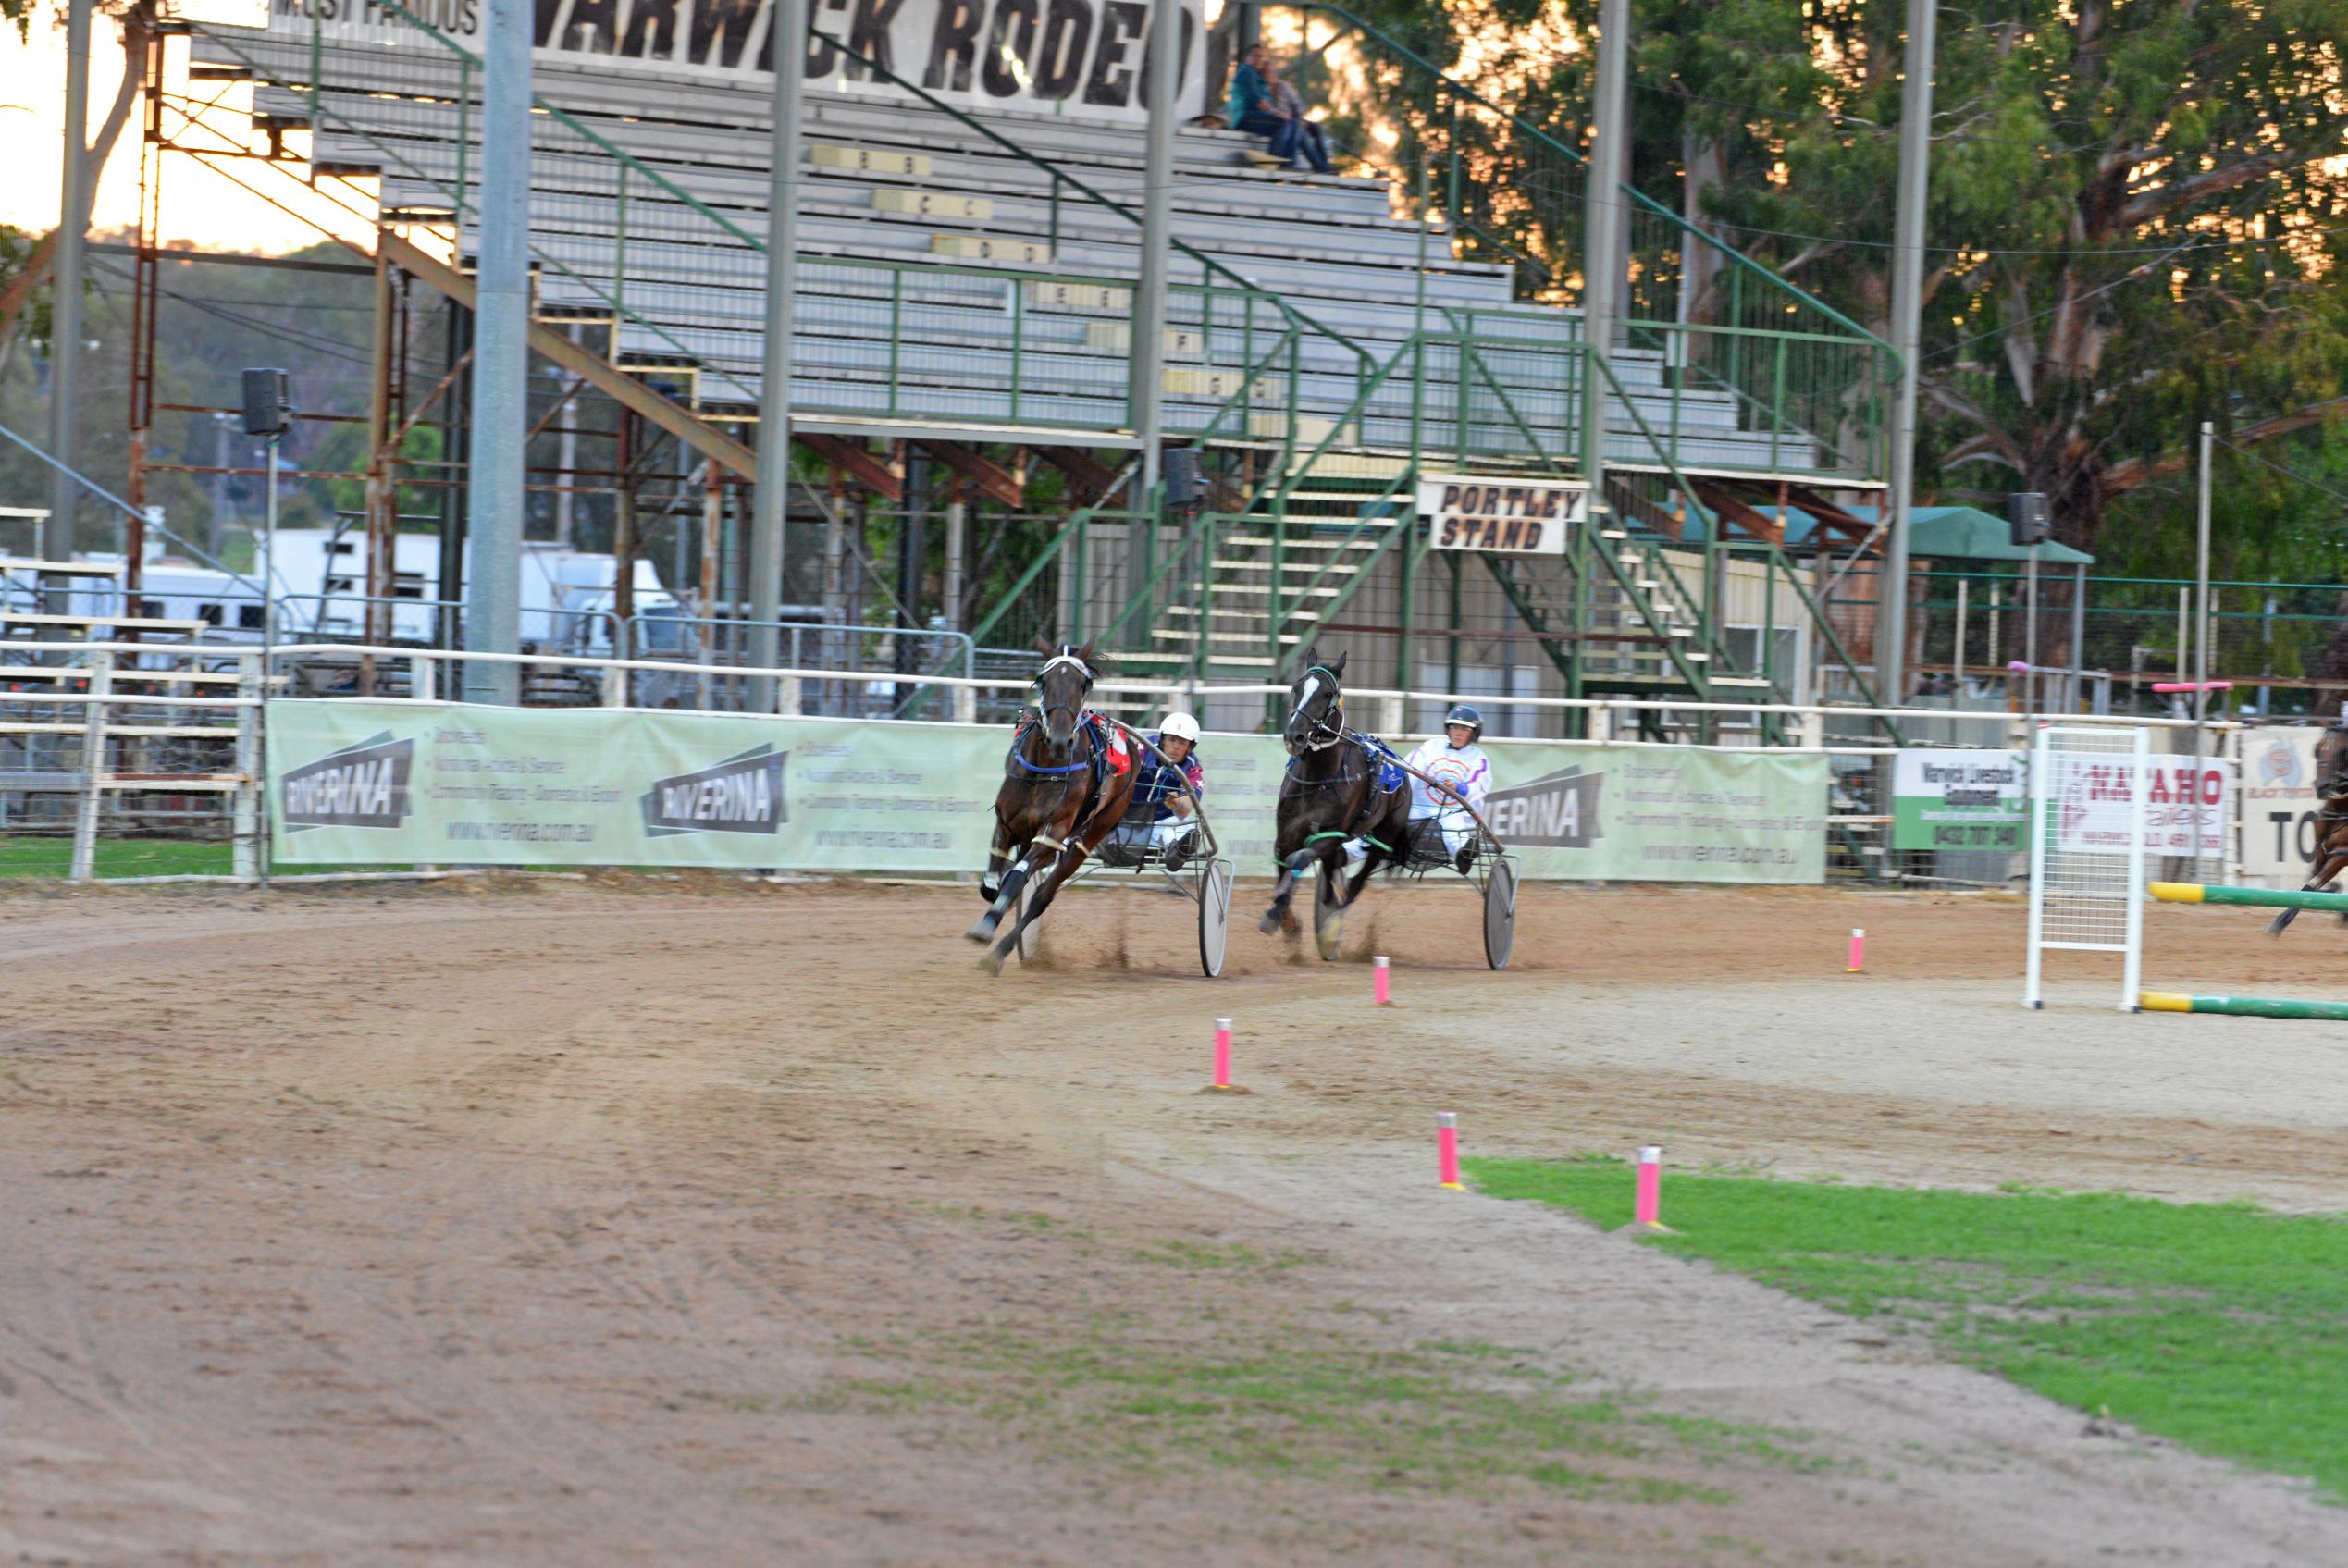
[1308, 143]
[1251, 112]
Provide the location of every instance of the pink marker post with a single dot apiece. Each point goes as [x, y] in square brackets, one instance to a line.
[1649, 1210]
[1222, 1053]
[1382, 983]
[1858, 952]
[1447, 1149]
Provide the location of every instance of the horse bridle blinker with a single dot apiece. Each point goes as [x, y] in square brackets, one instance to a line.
[1327, 728]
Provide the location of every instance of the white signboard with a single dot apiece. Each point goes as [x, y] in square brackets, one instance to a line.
[2184, 806]
[1515, 517]
[2279, 805]
[1953, 800]
[1081, 58]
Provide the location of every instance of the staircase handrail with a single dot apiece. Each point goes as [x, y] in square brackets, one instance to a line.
[1778, 559]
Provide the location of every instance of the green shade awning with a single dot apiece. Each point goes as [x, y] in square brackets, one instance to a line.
[1966, 533]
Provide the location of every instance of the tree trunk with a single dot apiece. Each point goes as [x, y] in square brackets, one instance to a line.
[28, 280]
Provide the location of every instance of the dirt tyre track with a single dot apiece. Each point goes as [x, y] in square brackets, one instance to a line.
[682, 1223]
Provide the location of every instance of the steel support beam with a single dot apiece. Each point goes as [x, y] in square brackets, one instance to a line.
[596, 371]
[990, 478]
[858, 464]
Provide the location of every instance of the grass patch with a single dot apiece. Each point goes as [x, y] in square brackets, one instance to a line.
[1215, 1255]
[2221, 1325]
[1444, 1416]
[115, 858]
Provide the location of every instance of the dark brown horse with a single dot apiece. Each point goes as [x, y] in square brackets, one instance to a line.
[1061, 795]
[2331, 816]
[1331, 796]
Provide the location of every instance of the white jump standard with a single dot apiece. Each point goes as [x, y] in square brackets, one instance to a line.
[2088, 792]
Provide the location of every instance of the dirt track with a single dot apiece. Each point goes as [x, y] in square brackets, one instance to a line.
[661, 1223]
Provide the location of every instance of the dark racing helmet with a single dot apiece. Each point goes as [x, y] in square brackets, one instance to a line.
[1461, 713]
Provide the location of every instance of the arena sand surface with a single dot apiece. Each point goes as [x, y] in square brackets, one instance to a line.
[546, 1222]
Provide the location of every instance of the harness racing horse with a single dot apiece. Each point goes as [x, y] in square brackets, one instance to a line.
[1060, 797]
[1332, 792]
[2331, 815]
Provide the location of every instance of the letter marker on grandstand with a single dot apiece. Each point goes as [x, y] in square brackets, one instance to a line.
[1222, 1055]
[1382, 983]
[1447, 1150]
[1858, 952]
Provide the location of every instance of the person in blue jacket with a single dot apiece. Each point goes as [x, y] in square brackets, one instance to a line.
[1250, 109]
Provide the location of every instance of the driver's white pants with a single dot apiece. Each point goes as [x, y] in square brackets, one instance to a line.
[1154, 835]
[1459, 828]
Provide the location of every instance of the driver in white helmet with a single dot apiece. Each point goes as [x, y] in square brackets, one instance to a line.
[1165, 788]
[1452, 758]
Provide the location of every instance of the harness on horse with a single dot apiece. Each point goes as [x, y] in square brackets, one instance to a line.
[1376, 754]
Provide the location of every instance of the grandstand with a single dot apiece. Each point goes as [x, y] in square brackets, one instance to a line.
[966, 285]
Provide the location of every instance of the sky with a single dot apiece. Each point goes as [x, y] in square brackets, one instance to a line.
[200, 207]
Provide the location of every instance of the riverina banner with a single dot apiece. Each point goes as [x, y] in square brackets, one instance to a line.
[1082, 58]
[407, 783]
[414, 782]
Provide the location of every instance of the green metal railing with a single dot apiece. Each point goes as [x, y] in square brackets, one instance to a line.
[885, 338]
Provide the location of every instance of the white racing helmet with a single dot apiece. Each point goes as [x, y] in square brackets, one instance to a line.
[1179, 726]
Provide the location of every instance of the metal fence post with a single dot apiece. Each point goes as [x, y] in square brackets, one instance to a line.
[244, 838]
[93, 767]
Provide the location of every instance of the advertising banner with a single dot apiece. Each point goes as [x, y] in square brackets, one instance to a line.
[2184, 808]
[1956, 799]
[2279, 805]
[396, 782]
[1085, 60]
[1532, 517]
[371, 782]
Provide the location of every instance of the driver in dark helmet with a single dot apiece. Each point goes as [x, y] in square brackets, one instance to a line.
[1452, 758]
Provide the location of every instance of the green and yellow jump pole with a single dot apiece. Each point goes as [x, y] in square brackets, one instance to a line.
[2241, 1006]
[2258, 897]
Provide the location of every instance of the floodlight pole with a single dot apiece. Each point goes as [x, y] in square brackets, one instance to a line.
[1908, 307]
[495, 496]
[771, 497]
[1146, 353]
[1603, 231]
[65, 332]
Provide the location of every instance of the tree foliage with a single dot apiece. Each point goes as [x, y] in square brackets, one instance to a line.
[2138, 211]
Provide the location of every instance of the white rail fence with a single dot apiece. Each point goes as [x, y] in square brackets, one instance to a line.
[84, 720]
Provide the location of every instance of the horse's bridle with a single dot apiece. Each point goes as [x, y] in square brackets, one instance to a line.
[1071, 708]
[1329, 726]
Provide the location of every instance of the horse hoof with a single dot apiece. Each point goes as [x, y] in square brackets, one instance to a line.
[991, 961]
[1269, 923]
[983, 930]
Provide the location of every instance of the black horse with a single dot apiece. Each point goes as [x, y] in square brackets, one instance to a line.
[1062, 795]
[2331, 816]
[1340, 788]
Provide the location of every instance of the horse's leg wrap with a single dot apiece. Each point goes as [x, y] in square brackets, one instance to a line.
[1004, 897]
